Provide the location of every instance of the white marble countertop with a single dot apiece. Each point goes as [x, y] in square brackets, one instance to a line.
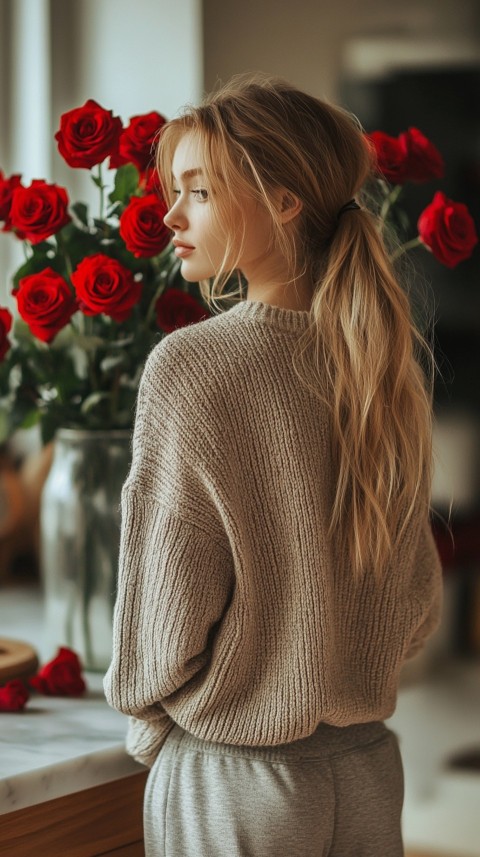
[55, 746]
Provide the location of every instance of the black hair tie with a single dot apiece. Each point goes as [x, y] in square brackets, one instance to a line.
[351, 205]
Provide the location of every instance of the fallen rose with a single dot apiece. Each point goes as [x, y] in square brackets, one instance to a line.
[447, 229]
[61, 676]
[13, 695]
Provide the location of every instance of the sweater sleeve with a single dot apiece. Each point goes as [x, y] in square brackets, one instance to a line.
[429, 589]
[174, 584]
[175, 572]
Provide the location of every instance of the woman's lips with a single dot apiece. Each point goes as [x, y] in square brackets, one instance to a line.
[182, 250]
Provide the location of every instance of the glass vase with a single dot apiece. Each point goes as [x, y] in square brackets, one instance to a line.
[79, 541]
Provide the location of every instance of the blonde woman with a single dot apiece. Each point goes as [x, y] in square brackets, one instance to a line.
[277, 562]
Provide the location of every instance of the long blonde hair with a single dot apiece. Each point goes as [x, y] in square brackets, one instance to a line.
[361, 353]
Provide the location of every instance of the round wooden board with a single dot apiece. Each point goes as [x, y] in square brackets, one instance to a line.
[17, 660]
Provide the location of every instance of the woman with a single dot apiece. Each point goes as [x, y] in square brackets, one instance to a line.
[277, 562]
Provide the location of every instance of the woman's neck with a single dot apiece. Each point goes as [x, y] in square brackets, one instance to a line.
[295, 295]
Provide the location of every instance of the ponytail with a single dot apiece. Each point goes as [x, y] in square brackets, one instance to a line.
[260, 134]
[367, 372]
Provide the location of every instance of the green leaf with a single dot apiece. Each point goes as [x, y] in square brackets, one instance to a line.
[102, 226]
[38, 262]
[112, 362]
[21, 413]
[4, 423]
[126, 184]
[81, 212]
[31, 419]
[123, 342]
[42, 248]
[115, 210]
[24, 336]
[92, 400]
[89, 343]
[49, 422]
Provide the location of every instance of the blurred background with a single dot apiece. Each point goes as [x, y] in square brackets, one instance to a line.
[395, 65]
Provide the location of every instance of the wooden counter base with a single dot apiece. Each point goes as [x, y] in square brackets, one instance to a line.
[104, 821]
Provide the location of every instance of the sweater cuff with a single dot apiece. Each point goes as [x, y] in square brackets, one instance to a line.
[145, 739]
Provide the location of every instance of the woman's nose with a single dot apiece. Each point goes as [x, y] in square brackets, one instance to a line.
[174, 218]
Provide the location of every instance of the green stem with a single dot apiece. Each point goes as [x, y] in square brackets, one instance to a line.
[158, 264]
[389, 201]
[158, 292]
[89, 331]
[102, 188]
[409, 245]
[78, 323]
[62, 250]
[84, 326]
[114, 396]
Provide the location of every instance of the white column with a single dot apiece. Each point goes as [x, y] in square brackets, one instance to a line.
[31, 146]
[27, 102]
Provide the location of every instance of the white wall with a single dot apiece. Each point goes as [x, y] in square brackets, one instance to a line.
[4, 70]
[131, 57]
[305, 41]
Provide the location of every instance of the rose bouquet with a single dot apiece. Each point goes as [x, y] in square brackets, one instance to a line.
[94, 293]
[444, 227]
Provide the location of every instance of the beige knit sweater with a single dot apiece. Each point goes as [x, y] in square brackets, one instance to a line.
[236, 616]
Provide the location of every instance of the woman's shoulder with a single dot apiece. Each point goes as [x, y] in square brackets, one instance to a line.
[209, 348]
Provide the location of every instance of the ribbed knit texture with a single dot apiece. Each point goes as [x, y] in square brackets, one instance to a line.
[236, 616]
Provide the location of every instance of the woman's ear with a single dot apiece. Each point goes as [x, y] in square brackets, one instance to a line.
[290, 205]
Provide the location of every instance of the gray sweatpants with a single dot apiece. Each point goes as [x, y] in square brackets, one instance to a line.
[338, 792]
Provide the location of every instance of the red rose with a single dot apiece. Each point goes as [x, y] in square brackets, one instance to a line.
[88, 134]
[39, 211]
[104, 285]
[61, 676]
[45, 302]
[150, 182]
[142, 227]
[176, 308]
[5, 325]
[447, 228]
[390, 155]
[13, 695]
[7, 186]
[137, 140]
[424, 161]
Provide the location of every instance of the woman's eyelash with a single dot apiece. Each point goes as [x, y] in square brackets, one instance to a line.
[198, 192]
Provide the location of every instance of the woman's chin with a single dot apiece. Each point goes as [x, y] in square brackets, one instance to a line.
[194, 275]
[189, 275]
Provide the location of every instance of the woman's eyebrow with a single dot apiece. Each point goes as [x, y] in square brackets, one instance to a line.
[188, 174]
